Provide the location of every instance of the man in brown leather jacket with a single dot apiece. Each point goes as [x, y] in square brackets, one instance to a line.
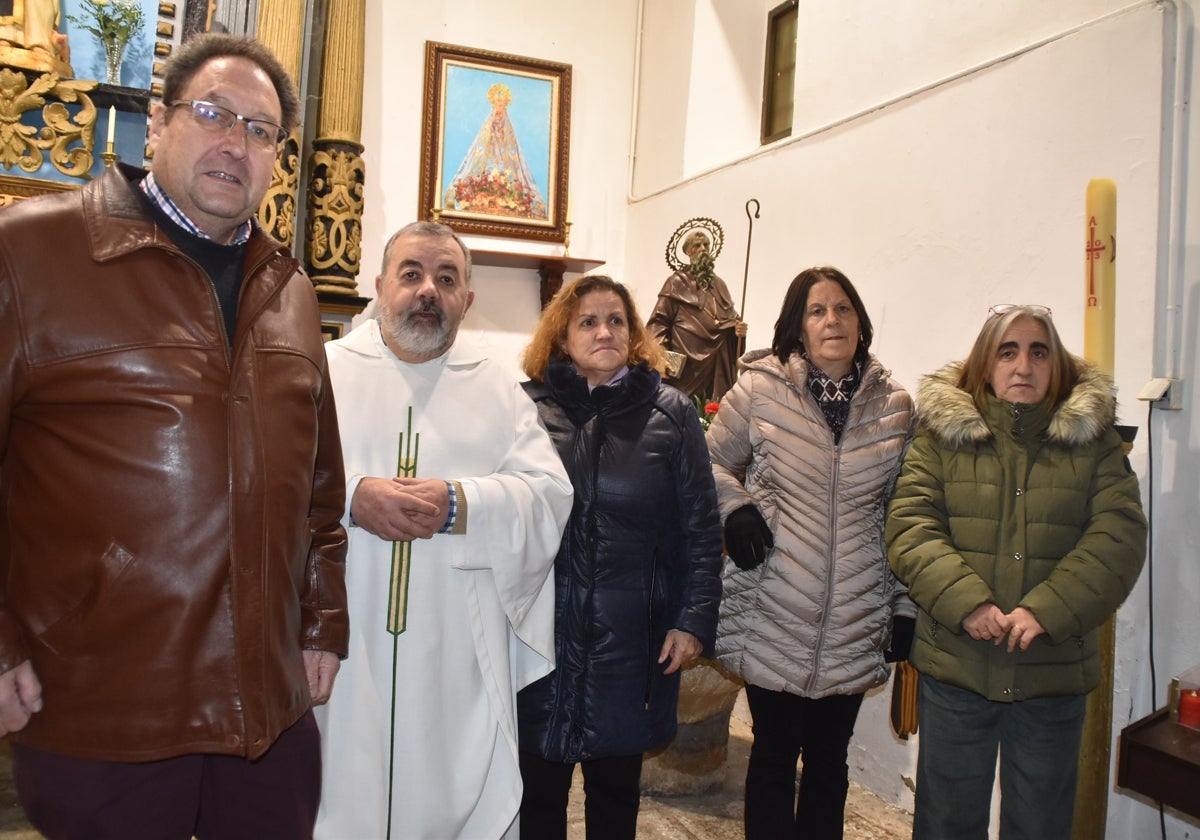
[172, 599]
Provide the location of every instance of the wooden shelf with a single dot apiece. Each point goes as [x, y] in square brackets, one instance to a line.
[534, 262]
[133, 100]
[338, 311]
[1160, 759]
[549, 267]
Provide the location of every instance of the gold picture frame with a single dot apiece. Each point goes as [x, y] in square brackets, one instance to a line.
[495, 138]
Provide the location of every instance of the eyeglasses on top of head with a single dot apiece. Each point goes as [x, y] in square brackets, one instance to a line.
[262, 134]
[1002, 308]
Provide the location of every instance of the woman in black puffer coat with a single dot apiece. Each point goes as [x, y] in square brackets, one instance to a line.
[637, 575]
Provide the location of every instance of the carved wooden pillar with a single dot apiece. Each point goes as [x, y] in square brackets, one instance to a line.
[277, 26]
[336, 170]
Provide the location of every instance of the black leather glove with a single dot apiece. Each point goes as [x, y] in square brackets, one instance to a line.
[747, 537]
[902, 637]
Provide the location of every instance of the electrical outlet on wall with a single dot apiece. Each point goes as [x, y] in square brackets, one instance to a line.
[1168, 393]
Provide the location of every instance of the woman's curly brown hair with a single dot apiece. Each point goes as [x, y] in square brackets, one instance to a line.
[550, 338]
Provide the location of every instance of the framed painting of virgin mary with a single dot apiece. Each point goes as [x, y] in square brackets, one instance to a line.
[495, 143]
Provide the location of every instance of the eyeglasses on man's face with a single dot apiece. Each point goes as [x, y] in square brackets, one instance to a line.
[261, 134]
[1002, 308]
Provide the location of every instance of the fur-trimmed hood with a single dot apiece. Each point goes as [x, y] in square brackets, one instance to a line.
[951, 415]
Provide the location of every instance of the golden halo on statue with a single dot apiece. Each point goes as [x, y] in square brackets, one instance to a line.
[676, 259]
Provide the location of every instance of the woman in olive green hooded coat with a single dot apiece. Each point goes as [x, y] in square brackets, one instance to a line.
[1017, 526]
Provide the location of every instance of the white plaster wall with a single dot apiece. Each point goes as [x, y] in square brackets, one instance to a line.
[597, 39]
[959, 196]
[664, 96]
[850, 56]
[726, 82]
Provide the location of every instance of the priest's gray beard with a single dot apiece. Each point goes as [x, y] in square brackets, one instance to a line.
[416, 336]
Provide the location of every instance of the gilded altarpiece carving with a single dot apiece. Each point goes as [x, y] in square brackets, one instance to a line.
[335, 204]
[278, 23]
[336, 171]
[277, 213]
[68, 139]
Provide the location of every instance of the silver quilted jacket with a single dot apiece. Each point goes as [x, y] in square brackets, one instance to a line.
[814, 618]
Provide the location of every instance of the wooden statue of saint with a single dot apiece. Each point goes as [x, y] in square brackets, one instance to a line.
[694, 318]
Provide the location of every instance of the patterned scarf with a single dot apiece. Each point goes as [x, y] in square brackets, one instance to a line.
[834, 397]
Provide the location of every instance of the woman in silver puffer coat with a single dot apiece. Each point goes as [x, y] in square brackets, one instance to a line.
[805, 447]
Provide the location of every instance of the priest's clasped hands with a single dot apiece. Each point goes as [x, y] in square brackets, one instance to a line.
[401, 509]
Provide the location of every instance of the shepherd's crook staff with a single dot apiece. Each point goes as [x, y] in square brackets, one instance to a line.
[406, 466]
[746, 273]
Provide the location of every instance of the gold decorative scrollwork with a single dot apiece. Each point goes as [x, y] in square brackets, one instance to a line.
[335, 201]
[23, 145]
[277, 213]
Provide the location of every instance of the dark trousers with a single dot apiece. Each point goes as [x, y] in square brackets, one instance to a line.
[209, 796]
[611, 789]
[961, 732]
[786, 726]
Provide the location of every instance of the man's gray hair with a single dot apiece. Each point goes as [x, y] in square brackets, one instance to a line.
[433, 230]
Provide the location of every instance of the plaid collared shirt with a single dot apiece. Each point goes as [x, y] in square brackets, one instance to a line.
[161, 200]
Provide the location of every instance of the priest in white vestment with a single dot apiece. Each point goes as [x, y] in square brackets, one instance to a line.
[456, 501]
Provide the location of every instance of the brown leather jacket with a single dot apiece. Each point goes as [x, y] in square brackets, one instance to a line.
[171, 537]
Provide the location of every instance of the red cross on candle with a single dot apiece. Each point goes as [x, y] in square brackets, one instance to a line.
[1095, 247]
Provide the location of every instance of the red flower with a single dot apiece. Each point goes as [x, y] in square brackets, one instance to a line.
[711, 408]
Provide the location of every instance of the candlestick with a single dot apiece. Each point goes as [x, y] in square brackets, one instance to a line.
[112, 126]
[1100, 273]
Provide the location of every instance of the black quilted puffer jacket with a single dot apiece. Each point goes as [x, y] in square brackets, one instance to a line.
[640, 556]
